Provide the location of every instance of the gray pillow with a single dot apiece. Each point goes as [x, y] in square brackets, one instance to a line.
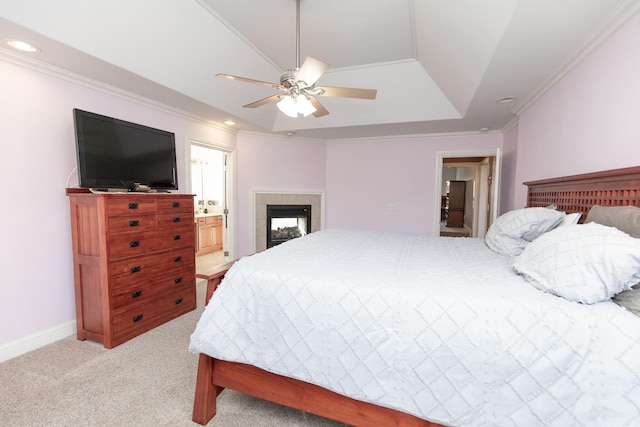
[629, 300]
[625, 218]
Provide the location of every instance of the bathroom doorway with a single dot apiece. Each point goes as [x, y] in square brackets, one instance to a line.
[211, 184]
[480, 171]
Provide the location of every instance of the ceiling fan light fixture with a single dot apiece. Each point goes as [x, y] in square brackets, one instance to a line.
[288, 106]
[292, 107]
[305, 107]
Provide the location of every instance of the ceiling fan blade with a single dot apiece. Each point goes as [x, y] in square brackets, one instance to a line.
[311, 70]
[246, 80]
[320, 110]
[349, 92]
[263, 101]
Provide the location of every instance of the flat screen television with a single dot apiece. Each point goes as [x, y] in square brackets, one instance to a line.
[114, 153]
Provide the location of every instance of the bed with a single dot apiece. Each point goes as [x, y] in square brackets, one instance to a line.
[491, 348]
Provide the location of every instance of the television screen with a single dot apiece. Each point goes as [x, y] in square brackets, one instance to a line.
[114, 153]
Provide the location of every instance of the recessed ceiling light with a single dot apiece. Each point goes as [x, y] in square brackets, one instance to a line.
[229, 122]
[290, 133]
[506, 100]
[484, 129]
[23, 46]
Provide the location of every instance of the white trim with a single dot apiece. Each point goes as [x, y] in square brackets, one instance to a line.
[483, 196]
[413, 136]
[230, 231]
[63, 74]
[237, 33]
[37, 340]
[255, 191]
[625, 11]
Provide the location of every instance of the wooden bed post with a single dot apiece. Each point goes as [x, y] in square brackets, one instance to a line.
[214, 277]
[204, 402]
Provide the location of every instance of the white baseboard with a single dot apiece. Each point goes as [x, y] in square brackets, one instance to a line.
[35, 341]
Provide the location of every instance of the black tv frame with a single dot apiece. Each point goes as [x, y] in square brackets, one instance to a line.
[116, 137]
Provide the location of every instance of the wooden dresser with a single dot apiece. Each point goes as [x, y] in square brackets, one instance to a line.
[134, 262]
[454, 210]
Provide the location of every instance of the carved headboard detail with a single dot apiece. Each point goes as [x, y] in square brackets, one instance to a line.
[577, 193]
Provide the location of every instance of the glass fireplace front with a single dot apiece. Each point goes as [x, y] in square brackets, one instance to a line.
[286, 222]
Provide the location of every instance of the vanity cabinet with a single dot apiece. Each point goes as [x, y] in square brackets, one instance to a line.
[134, 262]
[209, 229]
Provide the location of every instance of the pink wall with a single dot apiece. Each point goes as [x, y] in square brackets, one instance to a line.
[590, 120]
[38, 152]
[508, 170]
[273, 163]
[364, 177]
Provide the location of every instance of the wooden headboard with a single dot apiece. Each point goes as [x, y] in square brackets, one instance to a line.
[577, 193]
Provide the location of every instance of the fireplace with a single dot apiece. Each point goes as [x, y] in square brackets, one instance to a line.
[286, 222]
[264, 198]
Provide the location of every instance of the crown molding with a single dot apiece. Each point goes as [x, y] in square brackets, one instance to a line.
[512, 123]
[51, 70]
[620, 16]
[416, 136]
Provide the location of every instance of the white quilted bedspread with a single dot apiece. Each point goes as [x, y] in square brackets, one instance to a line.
[441, 328]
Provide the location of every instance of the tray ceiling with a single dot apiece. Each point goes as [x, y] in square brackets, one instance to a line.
[438, 66]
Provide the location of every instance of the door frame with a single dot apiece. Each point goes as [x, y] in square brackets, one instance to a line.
[229, 235]
[495, 190]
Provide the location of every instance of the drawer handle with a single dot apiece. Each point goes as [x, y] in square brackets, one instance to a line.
[178, 280]
[176, 204]
[176, 219]
[136, 269]
[137, 318]
[179, 301]
[177, 237]
[134, 223]
[177, 259]
[134, 244]
[133, 206]
[136, 294]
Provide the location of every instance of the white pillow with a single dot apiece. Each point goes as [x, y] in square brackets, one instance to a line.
[585, 263]
[570, 219]
[511, 232]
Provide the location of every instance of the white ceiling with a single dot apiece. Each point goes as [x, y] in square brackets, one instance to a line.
[438, 65]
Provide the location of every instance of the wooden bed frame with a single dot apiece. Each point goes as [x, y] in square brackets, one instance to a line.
[576, 193]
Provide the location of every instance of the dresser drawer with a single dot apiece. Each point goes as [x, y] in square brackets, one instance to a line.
[146, 267]
[173, 219]
[143, 317]
[133, 244]
[145, 291]
[182, 204]
[131, 223]
[128, 205]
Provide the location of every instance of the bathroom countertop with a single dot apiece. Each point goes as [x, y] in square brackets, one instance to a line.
[204, 215]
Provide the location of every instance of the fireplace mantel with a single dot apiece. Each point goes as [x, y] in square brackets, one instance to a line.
[262, 198]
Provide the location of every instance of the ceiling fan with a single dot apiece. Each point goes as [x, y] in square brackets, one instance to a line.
[297, 90]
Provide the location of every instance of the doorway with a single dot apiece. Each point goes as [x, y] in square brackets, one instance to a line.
[210, 183]
[479, 171]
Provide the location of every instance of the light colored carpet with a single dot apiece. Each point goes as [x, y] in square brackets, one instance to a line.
[148, 381]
